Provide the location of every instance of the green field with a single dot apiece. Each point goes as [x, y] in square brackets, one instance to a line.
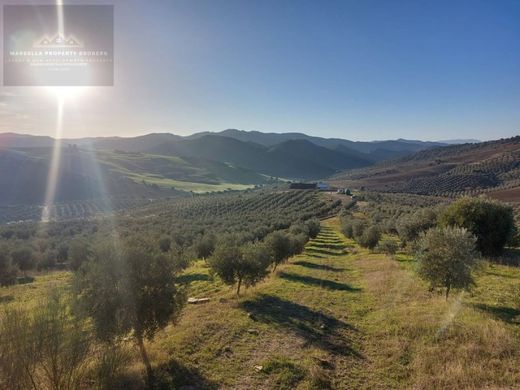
[338, 316]
[183, 174]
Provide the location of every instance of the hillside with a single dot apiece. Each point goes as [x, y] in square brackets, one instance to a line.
[377, 150]
[293, 159]
[334, 317]
[490, 167]
[86, 174]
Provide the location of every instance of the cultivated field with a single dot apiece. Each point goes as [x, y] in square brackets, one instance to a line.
[336, 316]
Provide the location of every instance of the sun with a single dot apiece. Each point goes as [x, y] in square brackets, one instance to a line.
[67, 93]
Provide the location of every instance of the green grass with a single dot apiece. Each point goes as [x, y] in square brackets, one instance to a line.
[353, 320]
[176, 172]
[356, 320]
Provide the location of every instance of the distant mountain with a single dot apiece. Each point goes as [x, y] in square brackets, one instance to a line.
[459, 141]
[296, 159]
[157, 164]
[130, 144]
[389, 149]
[13, 140]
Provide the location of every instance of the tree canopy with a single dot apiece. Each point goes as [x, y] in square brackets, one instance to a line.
[446, 257]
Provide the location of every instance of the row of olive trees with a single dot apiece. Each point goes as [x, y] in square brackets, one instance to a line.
[365, 234]
[447, 241]
[247, 264]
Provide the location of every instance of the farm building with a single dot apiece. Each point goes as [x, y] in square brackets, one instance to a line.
[323, 186]
[303, 186]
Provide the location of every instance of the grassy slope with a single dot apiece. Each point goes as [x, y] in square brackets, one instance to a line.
[178, 173]
[355, 320]
[340, 316]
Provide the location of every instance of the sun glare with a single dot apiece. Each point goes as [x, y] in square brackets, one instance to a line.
[67, 93]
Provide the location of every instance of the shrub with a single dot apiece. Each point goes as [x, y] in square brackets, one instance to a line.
[491, 222]
[446, 257]
[47, 346]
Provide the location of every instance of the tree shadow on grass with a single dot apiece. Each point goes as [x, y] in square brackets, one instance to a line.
[175, 375]
[315, 327]
[329, 284]
[323, 267]
[504, 313]
[325, 251]
[188, 278]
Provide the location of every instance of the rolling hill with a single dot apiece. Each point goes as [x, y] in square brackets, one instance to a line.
[490, 167]
[162, 164]
[293, 159]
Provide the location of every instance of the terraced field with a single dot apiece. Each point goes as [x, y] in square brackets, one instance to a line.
[337, 317]
[340, 317]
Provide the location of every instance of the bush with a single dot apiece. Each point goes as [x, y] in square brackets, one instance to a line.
[491, 222]
[446, 257]
[46, 345]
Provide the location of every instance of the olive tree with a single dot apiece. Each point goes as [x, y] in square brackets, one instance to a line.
[239, 265]
[7, 270]
[314, 227]
[24, 258]
[446, 258]
[491, 222]
[129, 289]
[370, 237]
[280, 247]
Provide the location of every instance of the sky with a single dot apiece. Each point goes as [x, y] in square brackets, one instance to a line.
[360, 70]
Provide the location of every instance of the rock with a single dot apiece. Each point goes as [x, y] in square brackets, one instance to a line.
[227, 349]
[195, 301]
[251, 316]
[324, 363]
[323, 327]
[259, 368]
[253, 331]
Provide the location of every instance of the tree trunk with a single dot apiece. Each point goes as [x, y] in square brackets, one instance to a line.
[146, 361]
[239, 284]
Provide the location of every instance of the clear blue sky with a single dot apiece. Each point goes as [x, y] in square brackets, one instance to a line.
[359, 69]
